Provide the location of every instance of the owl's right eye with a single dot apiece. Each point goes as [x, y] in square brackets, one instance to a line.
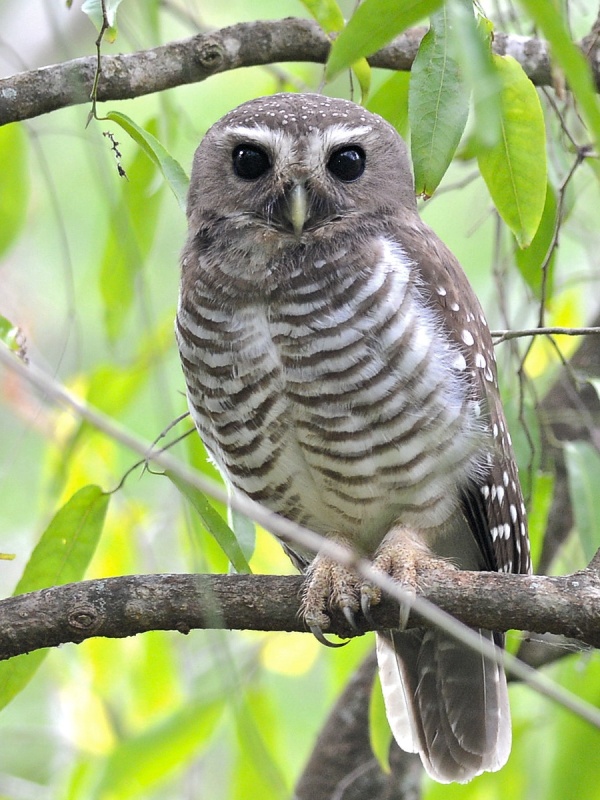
[250, 162]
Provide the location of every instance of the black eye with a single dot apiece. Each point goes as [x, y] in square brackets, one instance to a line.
[347, 163]
[250, 162]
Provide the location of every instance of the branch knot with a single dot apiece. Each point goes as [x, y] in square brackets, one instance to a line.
[210, 55]
[85, 618]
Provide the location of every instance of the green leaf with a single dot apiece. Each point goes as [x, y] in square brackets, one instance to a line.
[327, 13]
[214, 524]
[67, 545]
[551, 24]
[583, 468]
[61, 556]
[14, 183]
[171, 169]
[139, 763]
[530, 261]
[390, 101]
[362, 72]
[515, 169]
[374, 24]
[472, 39]
[93, 8]
[329, 16]
[244, 530]
[12, 336]
[438, 106]
[380, 733]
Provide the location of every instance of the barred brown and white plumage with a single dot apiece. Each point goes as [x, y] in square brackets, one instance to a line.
[340, 371]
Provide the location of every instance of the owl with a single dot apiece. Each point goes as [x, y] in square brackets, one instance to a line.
[340, 371]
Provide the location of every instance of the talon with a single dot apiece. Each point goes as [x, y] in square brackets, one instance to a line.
[349, 614]
[328, 586]
[365, 607]
[320, 637]
[369, 596]
[405, 607]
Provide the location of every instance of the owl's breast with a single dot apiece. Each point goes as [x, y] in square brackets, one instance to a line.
[338, 404]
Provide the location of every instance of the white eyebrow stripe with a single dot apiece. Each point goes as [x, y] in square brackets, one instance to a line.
[255, 132]
[335, 135]
[276, 141]
[322, 143]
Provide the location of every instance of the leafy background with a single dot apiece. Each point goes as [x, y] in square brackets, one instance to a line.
[89, 274]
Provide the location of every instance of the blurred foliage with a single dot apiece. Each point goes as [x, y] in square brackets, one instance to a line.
[89, 280]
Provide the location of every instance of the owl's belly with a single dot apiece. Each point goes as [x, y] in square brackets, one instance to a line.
[342, 416]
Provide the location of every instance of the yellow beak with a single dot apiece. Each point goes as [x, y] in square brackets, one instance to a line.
[298, 205]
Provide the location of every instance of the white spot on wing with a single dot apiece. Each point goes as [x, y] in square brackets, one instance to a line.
[459, 362]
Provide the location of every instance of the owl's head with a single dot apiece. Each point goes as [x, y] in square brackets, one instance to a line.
[300, 166]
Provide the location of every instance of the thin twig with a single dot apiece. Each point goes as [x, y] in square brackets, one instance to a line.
[94, 93]
[582, 153]
[506, 335]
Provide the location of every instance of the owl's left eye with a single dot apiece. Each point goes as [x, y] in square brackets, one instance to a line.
[347, 163]
[250, 161]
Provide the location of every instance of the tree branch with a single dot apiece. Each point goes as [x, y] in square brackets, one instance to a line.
[125, 606]
[31, 94]
[342, 763]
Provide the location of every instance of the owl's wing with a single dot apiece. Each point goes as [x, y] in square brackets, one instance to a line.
[476, 513]
[444, 700]
[494, 508]
[498, 517]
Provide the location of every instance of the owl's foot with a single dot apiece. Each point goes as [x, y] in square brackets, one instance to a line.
[331, 586]
[328, 586]
[399, 555]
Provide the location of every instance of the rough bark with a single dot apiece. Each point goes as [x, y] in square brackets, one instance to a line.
[30, 94]
[125, 606]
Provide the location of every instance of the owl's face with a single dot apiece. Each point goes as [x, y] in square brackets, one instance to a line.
[294, 168]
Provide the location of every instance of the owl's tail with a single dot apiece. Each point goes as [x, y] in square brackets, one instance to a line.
[445, 702]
